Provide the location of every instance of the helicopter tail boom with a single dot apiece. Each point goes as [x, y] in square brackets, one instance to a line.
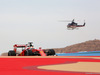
[81, 25]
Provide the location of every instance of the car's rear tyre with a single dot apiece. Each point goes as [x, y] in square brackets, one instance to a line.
[11, 53]
[50, 52]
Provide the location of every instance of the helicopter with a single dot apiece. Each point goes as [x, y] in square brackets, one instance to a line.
[74, 25]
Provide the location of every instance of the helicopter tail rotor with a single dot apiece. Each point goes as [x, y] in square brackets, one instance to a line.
[84, 23]
[64, 20]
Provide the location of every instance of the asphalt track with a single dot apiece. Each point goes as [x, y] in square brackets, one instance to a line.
[30, 65]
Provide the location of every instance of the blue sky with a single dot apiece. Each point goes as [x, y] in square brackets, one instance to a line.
[22, 21]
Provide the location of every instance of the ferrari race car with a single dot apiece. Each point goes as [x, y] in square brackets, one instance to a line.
[28, 50]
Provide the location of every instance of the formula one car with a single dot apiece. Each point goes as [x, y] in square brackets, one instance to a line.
[28, 50]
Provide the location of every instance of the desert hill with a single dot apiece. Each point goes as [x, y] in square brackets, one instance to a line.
[91, 45]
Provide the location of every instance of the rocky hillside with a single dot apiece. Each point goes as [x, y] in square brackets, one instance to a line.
[91, 45]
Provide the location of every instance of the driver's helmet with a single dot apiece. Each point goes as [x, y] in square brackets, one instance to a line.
[40, 48]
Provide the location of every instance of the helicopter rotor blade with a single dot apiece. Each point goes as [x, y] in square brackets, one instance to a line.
[64, 20]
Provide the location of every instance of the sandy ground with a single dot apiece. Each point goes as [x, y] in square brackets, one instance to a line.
[76, 67]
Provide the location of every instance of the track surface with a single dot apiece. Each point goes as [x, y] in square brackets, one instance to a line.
[29, 65]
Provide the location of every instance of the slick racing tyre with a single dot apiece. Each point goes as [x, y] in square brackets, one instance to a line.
[11, 53]
[51, 52]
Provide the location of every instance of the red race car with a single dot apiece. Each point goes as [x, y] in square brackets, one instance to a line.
[28, 50]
